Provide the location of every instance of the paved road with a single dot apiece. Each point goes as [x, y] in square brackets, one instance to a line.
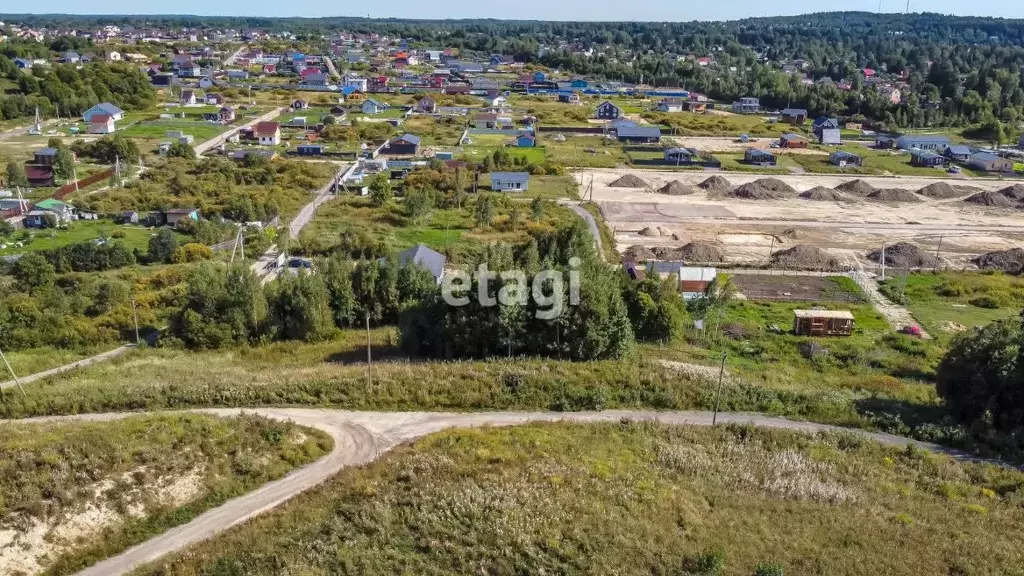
[205, 147]
[68, 367]
[231, 59]
[361, 437]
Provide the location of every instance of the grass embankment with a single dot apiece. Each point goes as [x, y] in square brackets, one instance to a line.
[610, 254]
[635, 499]
[948, 302]
[91, 489]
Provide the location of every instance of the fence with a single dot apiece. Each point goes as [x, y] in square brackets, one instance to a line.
[65, 190]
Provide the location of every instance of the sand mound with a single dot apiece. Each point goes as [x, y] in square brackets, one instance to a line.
[638, 253]
[715, 184]
[822, 193]
[700, 252]
[764, 189]
[630, 181]
[893, 195]
[1016, 192]
[1011, 260]
[905, 255]
[856, 187]
[676, 188]
[940, 191]
[995, 199]
[804, 257]
[650, 232]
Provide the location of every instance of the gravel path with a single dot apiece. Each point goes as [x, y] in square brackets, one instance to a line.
[361, 437]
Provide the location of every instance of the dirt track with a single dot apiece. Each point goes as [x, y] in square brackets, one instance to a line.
[361, 437]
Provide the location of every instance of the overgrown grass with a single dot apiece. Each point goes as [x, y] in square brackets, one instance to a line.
[632, 498]
[710, 124]
[78, 231]
[122, 482]
[610, 254]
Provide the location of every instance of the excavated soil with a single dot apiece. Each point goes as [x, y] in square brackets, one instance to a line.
[676, 188]
[940, 191]
[650, 232]
[893, 195]
[630, 181]
[638, 253]
[905, 255]
[715, 184]
[1011, 261]
[856, 187]
[700, 252]
[804, 257]
[1016, 191]
[994, 199]
[764, 189]
[822, 193]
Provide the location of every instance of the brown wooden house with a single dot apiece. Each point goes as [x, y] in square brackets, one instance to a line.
[822, 322]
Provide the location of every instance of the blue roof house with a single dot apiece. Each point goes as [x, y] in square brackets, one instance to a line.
[510, 181]
[526, 140]
[424, 257]
[371, 106]
[922, 142]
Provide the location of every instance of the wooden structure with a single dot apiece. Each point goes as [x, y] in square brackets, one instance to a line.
[822, 322]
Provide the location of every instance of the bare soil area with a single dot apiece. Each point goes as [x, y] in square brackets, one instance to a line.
[792, 288]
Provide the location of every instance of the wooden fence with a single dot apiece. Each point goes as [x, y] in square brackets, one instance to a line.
[65, 190]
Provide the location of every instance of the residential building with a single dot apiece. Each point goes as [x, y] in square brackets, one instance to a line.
[927, 158]
[747, 105]
[794, 116]
[268, 133]
[680, 156]
[310, 149]
[759, 157]
[424, 257]
[492, 121]
[226, 115]
[39, 175]
[695, 280]
[671, 105]
[639, 134]
[63, 212]
[360, 84]
[372, 106]
[827, 130]
[510, 181]
[791, 140]
[427, 105]
[188, 98]
[100, 124]
[609, 111]
[103, 108]
[922, 142]
[843, 159]
[958, 152]
[822, 322]
[988, 162]
[407, 144]
[175, 215]
[526, 140]
[573, 98]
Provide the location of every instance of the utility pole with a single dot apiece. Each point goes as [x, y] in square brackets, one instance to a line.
[938, 249]
[135, 314]
[369, 374]
[883, 262]
[13, 375]
[771, 249]
[718, 395]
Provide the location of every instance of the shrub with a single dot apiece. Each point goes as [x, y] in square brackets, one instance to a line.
[708, 563]
[191, 252]
[117, 234]
[769, 569]
[985, 301]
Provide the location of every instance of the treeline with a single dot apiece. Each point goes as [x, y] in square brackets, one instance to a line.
[68, 90]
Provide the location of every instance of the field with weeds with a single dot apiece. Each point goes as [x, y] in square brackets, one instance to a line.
[950, 302]
[134, 237]
[635, 498]
[710, 124]
[78, 492]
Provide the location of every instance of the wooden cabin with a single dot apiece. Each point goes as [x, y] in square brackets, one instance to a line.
[822, 322]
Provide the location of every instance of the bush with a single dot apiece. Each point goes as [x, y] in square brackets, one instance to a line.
[985, 301]
[769, 569]
[708, 563]
[191, 252]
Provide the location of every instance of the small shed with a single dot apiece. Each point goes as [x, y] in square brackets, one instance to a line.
[694, 281]
[822, 322]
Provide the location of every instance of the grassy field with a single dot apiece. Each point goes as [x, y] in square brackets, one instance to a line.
[697, 124]
[636, 499]
[157, 129]
[92, 489]
[79, 231]
[733, 162]
[874, 162]
[943, 300]
[585, 151]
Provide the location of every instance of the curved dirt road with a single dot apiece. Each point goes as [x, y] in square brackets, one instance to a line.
[361, 437]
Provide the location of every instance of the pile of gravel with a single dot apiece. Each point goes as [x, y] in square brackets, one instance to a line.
[804, 257]
[650, 232]
[893, 195]
[701, 252]
[994, 199]
[676, 188]
[940, 191]
[630, 181]
[905, 255]
[1016, 192]
[822, 193]
[1010, 261]
[638, 253]
[764, 189]
[856, 187]
[715, 184]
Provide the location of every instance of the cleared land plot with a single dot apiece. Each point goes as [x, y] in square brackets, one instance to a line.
[716, 124]
[654, 499]
[796, 288]
[135, 237]
[157, 129]
[77, 492]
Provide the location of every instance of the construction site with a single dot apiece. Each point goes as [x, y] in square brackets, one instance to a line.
[809, 222]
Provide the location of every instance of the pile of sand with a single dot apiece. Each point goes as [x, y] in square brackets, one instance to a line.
[1016, 192]
[905, 255]
[715, 184]
[822, 193]
[893, 195]
[940, 191]
[856, 187]
[648, 231]
[676, 188]
[700, 252]
[995, 199]
[1011, 261]
[638, 253]
[630, 181]
[804, 257]
[764, 189]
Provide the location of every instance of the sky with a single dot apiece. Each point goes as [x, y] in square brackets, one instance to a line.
[529, 9]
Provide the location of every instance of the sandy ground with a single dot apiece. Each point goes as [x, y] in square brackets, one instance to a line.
[747, 230]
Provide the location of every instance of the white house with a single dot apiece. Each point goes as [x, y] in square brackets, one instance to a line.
[268, 133]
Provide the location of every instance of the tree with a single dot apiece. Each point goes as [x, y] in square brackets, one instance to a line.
[14, 175]
[537, 209]
[299, 308]
[219, 309]
[162, 246]
[330, 120]
[181, 150]
[418, 204]
[381, 193]
[337, 274]
[33, 272]
[6, 228]
[191, 252]
[64, 164]
[484, 211]
[656, 311]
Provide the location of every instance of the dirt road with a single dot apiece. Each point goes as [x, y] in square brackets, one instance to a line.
[591, 224]
[68, 367]
[361, 437]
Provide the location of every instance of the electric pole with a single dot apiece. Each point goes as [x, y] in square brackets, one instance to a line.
[718, 395]
[13, 375]
[369, 361]
[135, 314]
